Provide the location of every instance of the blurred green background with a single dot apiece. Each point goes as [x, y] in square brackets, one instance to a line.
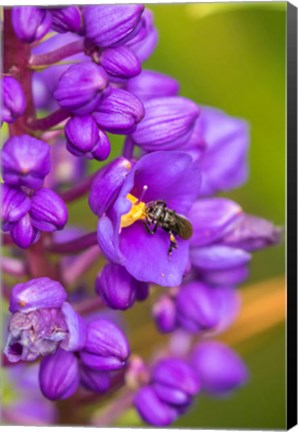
[233, 57]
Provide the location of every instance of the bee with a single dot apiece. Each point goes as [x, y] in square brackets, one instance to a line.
[158, 214]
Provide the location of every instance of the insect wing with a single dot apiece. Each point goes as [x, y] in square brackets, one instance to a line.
[184, 227]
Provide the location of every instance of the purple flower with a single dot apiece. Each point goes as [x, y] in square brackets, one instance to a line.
[118, 112]
[169, 176]
[13, 99]
[120, 62]
[41, 321]
[66, 19]
[59, 375]
[167, 125]
[173, 386]
[25, 215]
[79, 89]
[219, 368]
[30, 23]
[84, 138]
[93, 380]
[25, 161]
[106, 346]
[118, 288]
[111, 25]
[150, 84]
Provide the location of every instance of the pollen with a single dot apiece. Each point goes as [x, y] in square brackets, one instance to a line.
[136, 212]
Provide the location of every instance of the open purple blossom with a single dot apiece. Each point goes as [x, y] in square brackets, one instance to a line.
[172, 177]
[41, 321]
[13, 99]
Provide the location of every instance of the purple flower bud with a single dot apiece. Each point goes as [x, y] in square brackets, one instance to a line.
[252, 233]
[151, 84]
[218, 257]
[164, 313]
[25, 161]
[48, 211]
[15, 204]
[93, 380]
[144, 41]
[197, 307]
[110, 25]
[106, 347]
[107, 184]
[119, 112]
[120, 62]
[59, 375]
[117, 287]
[23, 233]
[13, 99]
[37, 294]
[66, 19]
[80, 87]
[219, 368]
[76, 337]
[167, 124]
[227, 277]
[84, 138]
[30, 23]
[152, 409]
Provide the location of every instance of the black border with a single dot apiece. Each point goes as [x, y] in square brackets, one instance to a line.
[291, 215]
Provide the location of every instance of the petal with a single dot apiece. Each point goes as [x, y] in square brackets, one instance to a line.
[77, 333]
[23, 233]
[98, 363]
[164, 313]
[66, 19]
[48, 211]
[37, 294]
[227, 277]
[218, 257]
[95, 381]
[15, 204]
[30, 23]
[120, 62]
[171, 395]
[14, 100]
[106, 241]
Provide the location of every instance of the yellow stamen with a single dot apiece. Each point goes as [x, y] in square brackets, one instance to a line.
[136, 212]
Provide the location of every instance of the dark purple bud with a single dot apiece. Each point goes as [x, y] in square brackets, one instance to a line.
[15, 204]
[66, 19]
[107, 184]
[211, 219]
[30, 23]
[35, 333]
[119, 112]
[59, 375]
[117, 287]
[197, 307]
[167, 125]
[252, 233]
[218, 257]
[144, 41]
[80, 87]
[23, 233]
[37, 294]
[164, 313]
[93, 380]
[152, 409]
[76, 337]
[110, 25]
[106, 347]
[84, 138]
[25, 161]
[120, 62]
[13, 99]
[48, 211]
[151, 84]
[219, 368]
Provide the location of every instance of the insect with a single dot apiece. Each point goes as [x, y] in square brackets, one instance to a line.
[158, 214]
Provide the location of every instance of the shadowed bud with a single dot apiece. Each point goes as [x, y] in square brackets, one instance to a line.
[48, 211]
[106, 347]
[30, 23]
[93, 380]
[84, 138]
[151, 84]
[23, 233]
[219, 368]
[25, 161]
[164, 313]
[59, 375]
[80, 87]
[13, 100]
[117, 287]
[107, 184]
[66, 19]
[119, 112]
[15, 204]
[120, 62]
[167, 124]
[145, 39]
[110, 25]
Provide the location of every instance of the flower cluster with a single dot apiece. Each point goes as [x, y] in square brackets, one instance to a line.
[158, 227]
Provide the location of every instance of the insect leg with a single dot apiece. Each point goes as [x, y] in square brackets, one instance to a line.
[173, 243]
[148, 229]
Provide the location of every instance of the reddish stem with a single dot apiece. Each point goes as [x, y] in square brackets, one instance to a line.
[55, 56]
[73, 246]
[48, 122]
